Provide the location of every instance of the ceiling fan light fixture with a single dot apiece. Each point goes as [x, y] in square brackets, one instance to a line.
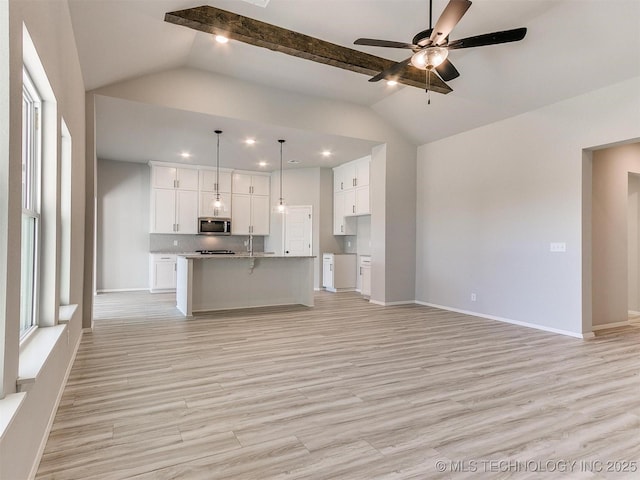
[429, 58]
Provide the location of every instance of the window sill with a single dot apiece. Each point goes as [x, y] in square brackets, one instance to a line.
[9, 405]
[65, 314]
[35, 354]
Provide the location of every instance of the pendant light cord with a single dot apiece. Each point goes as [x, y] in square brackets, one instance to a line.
[218, 132]
[281, 143]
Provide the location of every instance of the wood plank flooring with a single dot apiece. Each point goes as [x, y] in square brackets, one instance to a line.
[344, 390]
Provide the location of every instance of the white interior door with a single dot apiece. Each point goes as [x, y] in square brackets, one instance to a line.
[298, 227]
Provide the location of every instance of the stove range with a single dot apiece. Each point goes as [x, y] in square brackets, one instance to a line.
[215, 252]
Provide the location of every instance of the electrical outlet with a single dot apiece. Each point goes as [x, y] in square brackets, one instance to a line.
[557, 247]
[474, 297]
[175, 243]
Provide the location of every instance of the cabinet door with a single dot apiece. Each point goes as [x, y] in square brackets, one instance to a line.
[206, 205]
[365, 280]
[241, 183]
[349, 203]
[187, 179]
[163, 211]
[225, 182]
[349, 175]
[163, 177]
[164, 276]
[337, 179]
[260, 184]
[207, 180]
[186, 211]
[327, 273]
[362, 172]
[338, 213]
[240, 214]
[260, 215]
[362, 200]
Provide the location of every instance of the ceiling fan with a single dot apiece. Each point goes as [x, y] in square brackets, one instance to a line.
[431, 47]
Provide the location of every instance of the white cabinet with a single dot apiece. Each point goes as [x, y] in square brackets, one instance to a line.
[351, 194]
[174, 199]
[173, 177]
[162, 272]
[251, 184]
[342, 224]
[208, 209]
[174, 211]
[339, 271]
[365, 275]
[249, 215]
[208, 181]
[250, 212]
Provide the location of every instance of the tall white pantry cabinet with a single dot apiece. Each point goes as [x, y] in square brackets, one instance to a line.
[351, 196]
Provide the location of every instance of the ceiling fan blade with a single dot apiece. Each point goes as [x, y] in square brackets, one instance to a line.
[391, 71]
[447, 71]
[449, 18]
[383, 43]
[494, 38]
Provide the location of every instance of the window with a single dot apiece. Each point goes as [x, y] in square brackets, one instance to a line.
[30, 244]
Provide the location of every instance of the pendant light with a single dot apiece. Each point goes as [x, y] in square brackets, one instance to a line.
[281, 206]
[218, 203]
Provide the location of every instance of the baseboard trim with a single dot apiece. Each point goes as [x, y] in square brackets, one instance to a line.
[595, 328]
[392, 304]
[117, 290]
[43, 442]
[568, 333]
[633, 313]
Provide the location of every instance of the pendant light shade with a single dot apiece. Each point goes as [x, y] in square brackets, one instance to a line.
[281, 204]
[217, 202]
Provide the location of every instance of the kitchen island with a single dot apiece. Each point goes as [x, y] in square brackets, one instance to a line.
[221, 282]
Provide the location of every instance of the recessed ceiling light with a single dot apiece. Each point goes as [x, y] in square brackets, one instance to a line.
[263, 163]
[392, 83]
[326, 153]
[221, 39]
[185, 155]
[250, 141]
[293, 161]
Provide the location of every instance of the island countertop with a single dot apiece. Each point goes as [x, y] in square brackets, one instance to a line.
[199, 256]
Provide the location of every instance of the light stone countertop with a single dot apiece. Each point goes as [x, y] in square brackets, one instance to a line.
[199, 256]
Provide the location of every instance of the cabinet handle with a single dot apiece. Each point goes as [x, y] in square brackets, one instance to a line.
[177, 227]
[215, 186]
[360, 271]
[341, 185]
[353, 182]
[175, 267]
[353, 209]
[331, 267]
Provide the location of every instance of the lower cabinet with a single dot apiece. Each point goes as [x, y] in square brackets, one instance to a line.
[339, 271]
[162, 272]
[365, 275]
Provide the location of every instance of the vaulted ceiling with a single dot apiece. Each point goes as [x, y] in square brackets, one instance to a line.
[572, 47]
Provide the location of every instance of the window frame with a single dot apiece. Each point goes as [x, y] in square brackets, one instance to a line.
[31, 199]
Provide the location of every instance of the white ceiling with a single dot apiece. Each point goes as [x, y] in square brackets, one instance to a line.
[572, 47]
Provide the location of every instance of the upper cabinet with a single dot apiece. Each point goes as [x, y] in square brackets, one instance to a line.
[250, 184]
[180, 195]
[250, 204]
[174, 178]
[351, 193]
[208, 181]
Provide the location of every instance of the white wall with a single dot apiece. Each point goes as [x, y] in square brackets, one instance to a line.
[610, 280]
[49, 24]
[633, 243]
[122, 255]
[492, 199]
[305, 186]
[394, 255]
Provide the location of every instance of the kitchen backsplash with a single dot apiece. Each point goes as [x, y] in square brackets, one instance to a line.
[190, 243]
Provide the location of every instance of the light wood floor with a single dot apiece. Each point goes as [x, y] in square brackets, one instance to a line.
[346, 390]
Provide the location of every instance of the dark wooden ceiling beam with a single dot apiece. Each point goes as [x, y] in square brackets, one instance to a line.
[254, 32]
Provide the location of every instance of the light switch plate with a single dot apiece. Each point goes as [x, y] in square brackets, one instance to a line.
[557, 247]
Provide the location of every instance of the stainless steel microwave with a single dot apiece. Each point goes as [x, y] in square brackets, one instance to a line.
[214, 226]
